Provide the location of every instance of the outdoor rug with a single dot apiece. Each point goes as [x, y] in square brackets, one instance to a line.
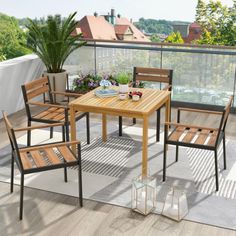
[108, 170]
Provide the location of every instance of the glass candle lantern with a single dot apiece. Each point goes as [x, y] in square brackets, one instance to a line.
[144, 194]
[175, 206]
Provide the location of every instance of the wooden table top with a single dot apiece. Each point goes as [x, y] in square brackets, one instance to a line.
[151, 100]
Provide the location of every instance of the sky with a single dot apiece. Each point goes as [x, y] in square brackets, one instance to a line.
[183, 10]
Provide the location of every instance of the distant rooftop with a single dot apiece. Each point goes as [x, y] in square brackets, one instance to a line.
[109, 27]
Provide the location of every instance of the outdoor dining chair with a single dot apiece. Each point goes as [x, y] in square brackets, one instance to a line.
[35, 93]
[154, 75]
[43, 157]
[198, 136]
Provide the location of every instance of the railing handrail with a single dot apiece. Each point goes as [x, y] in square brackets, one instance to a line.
[160, 44]
[162, 47]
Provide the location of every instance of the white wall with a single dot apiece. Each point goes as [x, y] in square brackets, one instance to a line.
[14, 73]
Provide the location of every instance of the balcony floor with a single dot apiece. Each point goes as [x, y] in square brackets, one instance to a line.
[57, 214]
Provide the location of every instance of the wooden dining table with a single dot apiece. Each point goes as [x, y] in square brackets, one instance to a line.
[151, 100]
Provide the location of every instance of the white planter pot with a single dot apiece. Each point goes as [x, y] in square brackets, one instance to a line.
[123, 88]
[58, 83]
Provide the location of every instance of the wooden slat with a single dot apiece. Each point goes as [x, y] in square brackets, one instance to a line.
[25, 161]
[177, 133]
[157, 71]
[47, 146]
[38, 158]
[36, 83]
[52, 115]
[200, 110]
[36, 92]
[212, 140]
[49, 113]
[66, 153]
[190, 135]
[189, 126]
[8, 126]
[52, 156]
[60, 117]
[48, 105]
[202, 137]
[38, 127]
[153, 78]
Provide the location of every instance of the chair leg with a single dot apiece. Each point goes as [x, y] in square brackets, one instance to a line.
[12, 172]
[224, 152]
[158, 113]
[67, 132]
[65, 174]
[51, 132]
[216, 171]
[21, 196]
[88, 128]
[29, 134]
[177, 153]
[164, 163]
[80, 176]
[134, 121]
[120, 125]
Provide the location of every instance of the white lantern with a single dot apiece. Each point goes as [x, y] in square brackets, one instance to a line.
[175, 206]
[144, 194]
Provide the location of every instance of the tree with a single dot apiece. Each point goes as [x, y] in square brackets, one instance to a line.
[174, 38]
[217, 22]
[12, 38]
[155, 38]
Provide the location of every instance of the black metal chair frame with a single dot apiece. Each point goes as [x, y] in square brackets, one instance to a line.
[50, 104]
[219, 138]
[15, 157]
[156, 75]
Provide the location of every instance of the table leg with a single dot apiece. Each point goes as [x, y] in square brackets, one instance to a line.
[72, 127]
[167, 115]
[145, 147]
[104, 127]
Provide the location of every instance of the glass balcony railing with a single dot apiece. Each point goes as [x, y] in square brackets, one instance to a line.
[202, 75]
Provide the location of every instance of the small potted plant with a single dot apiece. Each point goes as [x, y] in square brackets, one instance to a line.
[123, 79]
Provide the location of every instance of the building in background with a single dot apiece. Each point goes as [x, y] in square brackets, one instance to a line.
[109, 27]
[189, 32]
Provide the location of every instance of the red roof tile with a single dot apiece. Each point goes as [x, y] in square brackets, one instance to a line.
[121, 29]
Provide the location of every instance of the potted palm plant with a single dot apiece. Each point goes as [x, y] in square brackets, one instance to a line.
[123, 79]
[53, 42]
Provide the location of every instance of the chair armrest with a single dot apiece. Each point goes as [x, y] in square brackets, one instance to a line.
[38, 127]
[199, 110]
[67, 94]
[189, 126]
[46, 104]
[51, 145]
[167, 87]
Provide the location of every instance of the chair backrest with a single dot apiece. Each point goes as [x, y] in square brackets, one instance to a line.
[36, 89]
[153, 75]
[12, 137]
[226, 114]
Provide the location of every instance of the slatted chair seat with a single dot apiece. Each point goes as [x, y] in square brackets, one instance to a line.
[42, 157]
[56, 114]
[36, 91]
[192, 136]
[197, 136]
